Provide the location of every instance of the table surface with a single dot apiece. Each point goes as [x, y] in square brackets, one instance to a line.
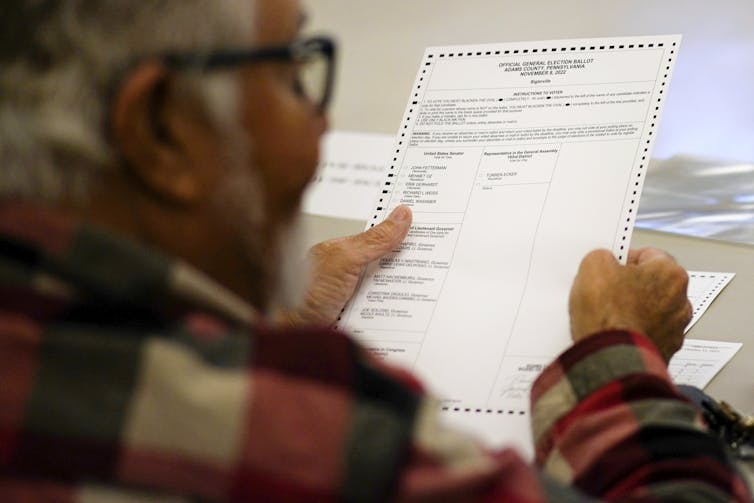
[730, 317]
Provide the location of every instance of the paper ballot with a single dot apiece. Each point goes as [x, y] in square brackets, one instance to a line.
[698, 361]
[703, 289]
[517, 159]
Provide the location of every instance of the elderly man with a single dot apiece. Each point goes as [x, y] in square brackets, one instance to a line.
[158, 344]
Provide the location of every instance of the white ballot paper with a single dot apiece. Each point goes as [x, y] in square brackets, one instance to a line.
[350, 175]
[704, 287]
[517, 159]
[699, 361]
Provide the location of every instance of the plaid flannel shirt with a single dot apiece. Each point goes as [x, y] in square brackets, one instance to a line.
[125, 376]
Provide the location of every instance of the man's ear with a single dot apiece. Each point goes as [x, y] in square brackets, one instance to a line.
[159, 157]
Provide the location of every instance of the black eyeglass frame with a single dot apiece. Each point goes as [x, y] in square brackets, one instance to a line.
[298, 51]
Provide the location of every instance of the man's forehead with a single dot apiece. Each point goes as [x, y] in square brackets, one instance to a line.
[278, 21]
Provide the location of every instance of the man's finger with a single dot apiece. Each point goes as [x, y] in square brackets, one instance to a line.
[380, 239]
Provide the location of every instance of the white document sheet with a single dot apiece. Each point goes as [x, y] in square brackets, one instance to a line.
[517, 159]
[703, 288]
[349, 176]
[699, 361]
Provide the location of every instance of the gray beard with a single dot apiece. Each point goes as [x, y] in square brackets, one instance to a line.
[292, 270]
[282, 261]
[241, 200]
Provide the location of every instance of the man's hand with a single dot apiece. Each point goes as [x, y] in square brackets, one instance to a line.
[647, 295]
[336, 266]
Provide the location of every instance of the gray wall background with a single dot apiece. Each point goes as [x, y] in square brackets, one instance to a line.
[710, 110]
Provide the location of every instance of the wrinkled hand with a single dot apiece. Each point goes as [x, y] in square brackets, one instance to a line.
[647, 295]
[337, 264]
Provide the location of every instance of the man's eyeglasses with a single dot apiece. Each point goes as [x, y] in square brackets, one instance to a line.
[314, 59]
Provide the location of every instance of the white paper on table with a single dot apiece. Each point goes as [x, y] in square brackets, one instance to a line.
[699, 361]
[703, 288]
[349, 176]
[517, 159]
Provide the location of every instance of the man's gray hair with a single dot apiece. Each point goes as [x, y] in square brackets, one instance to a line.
[58, 63]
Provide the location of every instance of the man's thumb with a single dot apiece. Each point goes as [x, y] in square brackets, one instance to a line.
[384, 237]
